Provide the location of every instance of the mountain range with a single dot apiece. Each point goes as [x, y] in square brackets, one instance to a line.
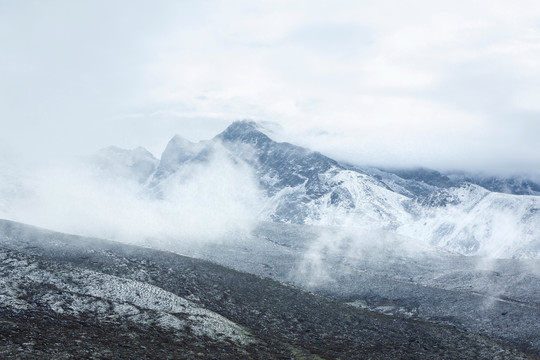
[471, 215]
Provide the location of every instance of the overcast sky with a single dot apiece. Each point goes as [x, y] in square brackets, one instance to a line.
[443, 84]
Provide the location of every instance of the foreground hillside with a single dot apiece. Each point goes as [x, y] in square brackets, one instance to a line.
[497, 298]
[64, 296]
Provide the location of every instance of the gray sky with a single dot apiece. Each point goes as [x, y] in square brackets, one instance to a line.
[452, 84]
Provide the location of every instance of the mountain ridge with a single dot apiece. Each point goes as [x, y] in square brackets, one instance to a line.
[306, 187]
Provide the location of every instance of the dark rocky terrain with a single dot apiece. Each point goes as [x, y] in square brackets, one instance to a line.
[65, 296]
[496, 298]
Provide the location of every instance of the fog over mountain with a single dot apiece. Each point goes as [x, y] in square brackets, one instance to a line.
[208, 189]
[406, 243]
[272, 179]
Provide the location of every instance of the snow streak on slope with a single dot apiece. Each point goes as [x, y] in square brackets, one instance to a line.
[353, 199]
[483, 223]
[28, 283]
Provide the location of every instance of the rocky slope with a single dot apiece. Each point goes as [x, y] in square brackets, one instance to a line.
[383, 272]
[66, 296]
[84, 313]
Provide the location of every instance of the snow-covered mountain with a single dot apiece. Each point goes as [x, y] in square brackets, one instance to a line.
[471, 215]
[303, 186]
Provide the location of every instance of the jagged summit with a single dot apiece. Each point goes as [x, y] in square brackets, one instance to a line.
[177, 146]
[279, 165]
[177, 152]
[246, 131]
[178, 140]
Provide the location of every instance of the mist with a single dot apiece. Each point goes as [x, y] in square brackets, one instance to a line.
[337, 251]
[202, 202]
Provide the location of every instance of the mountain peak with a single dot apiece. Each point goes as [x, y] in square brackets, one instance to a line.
[178, 150]
[246, 131]
[177, 140]
[244, 124]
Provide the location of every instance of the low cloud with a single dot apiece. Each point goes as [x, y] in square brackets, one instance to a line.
[203, 202]
[337, 251]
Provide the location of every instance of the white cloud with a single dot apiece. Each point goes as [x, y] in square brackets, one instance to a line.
[202, 202]
[394, 74]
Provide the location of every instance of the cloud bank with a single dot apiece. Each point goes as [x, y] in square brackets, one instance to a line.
[202, 202]
[443, 85]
